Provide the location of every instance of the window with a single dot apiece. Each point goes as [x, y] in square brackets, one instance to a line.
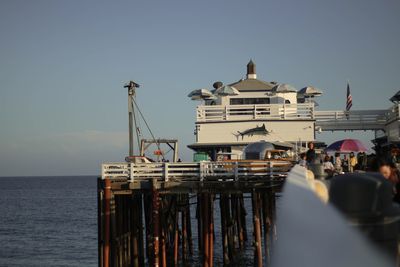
[249, 101]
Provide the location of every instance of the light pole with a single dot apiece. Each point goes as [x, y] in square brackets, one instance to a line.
[131, 94]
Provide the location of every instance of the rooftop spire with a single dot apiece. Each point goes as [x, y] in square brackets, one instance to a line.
[251, 70]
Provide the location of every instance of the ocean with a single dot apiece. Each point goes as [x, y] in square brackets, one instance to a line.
[48, 221]
[52, 221]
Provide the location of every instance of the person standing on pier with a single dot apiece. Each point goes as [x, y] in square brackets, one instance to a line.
[338, 163]
[353, 162]
[311, 155]
[328, 166]
[303, 160]
[345, 164]
[391, 173]
[362, 160]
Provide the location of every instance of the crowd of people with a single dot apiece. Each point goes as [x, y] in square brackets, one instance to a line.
[360, 162]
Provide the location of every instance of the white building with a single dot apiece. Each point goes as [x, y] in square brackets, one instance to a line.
[251, 110]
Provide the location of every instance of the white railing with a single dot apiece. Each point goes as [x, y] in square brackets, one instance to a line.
[249, 112]
[195, 171]
[393, 113]
[352, 120]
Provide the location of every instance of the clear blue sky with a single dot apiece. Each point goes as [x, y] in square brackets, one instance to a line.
[63, 65]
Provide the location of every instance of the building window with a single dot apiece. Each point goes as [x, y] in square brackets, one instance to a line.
[249, 101]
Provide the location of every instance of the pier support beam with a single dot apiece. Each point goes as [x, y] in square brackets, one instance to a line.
[107, 222]
[156, 226]
[224, 233]
[257, 229]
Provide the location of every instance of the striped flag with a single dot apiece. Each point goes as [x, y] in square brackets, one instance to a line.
[349, 101]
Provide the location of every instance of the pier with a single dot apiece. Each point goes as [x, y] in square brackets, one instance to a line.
[165, 213]
[144, 214]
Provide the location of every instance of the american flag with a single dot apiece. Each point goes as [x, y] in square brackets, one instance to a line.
[349, 101]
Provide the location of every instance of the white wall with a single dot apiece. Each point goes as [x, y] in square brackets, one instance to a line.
[393, 131]
[227, 132]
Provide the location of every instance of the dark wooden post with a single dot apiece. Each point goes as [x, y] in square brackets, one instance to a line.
[224, 234]
[243, 217]
[184, 234]
[176, 238]
[134, 233]
[107, 222]
[267, 227]
[206, 230]
[156, 225]
[211, 230]
[189, 225]
[257, 230]
[100, 221]
[200, 223]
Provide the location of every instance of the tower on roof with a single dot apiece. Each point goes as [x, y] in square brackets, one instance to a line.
[251, 70]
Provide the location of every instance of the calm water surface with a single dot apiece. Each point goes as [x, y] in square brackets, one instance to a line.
[48, 221]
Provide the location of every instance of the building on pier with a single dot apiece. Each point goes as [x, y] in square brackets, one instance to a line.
[251, 110]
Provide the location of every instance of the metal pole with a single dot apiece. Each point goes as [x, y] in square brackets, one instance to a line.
[131, 93]
[130, 114]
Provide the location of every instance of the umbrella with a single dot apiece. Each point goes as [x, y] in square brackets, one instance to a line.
[200, 94]
[310, 91]
[226, 90]
[283, 88]
[395, 98]
[347, 145]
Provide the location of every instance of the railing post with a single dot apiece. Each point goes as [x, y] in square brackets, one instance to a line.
[226, 113]
[201, 171]
[398, 111]
[236, 171]
[130, 170]
[271, 171]
[284, 111]
[103, 171]
[255, 112]
[312, 112]
[166, 172]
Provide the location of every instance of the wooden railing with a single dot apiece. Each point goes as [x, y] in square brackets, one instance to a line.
[195, 171]
[248, 112]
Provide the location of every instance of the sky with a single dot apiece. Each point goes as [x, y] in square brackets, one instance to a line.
[63, 64]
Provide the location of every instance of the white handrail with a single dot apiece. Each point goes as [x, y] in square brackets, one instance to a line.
[194, 171]
[246, 112]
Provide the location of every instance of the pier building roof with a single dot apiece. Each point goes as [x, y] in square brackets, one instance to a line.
[251, 83]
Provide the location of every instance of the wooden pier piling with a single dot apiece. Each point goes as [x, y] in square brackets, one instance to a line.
[257, 229]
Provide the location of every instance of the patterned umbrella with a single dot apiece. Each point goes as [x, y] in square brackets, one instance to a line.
[226, 90]
[310, 91]
[347, 145]
[200, 94]
[284, 88]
